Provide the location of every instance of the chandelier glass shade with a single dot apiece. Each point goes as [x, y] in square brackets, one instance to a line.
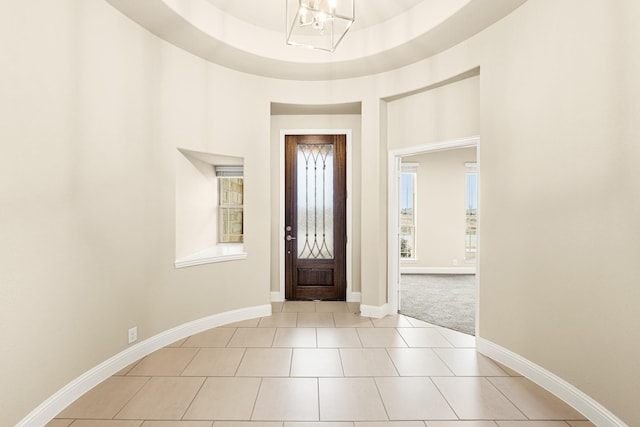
[318, 24]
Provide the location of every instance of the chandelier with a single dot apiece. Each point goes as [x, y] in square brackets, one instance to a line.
[318, 24]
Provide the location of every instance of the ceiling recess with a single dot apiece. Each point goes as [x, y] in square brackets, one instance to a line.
[386, 34]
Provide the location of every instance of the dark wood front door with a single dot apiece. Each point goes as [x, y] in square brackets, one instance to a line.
[315, 217]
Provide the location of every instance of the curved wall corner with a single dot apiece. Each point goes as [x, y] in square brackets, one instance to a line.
[51, 407]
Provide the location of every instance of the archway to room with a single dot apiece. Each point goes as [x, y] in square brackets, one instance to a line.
[433, 225]
[293, 121]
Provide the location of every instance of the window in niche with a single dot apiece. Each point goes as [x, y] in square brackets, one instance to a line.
[230, 203]
[209, 208]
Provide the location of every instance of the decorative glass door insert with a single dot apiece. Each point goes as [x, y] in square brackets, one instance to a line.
[315, 201]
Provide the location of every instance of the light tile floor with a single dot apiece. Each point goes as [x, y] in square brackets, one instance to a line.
[319, 364]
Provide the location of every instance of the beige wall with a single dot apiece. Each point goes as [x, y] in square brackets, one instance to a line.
[435, 115]
[93, 108]
[559, 204]
[441, 209]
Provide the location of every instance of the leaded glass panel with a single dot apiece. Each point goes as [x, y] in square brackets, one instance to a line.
[315, 201]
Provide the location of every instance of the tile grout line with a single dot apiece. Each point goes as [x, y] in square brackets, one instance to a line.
[359, 337]
[244, 352]
[507, 397]
[392, 362]
[445, 338]
[444, 397]
[339, 350]
[273, 337]
[255, 401]
[204, 380]
[226, 345]
[189, 363]
[445, 362]
[401, 337]
[131, 398]
[386, 411]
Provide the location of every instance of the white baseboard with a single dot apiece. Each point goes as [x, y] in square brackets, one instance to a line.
[277, 296]
[377, 312]
[353, 297]
[85, 382]
[581, 402]
[437, 270]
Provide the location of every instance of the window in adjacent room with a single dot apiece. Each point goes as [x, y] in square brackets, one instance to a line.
[471, 205]
[408, 211]
[230, 204]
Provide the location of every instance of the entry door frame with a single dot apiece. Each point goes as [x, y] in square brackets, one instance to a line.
[393, 225]
[280, 294]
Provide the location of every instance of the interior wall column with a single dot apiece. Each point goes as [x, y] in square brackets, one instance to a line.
[373, 198]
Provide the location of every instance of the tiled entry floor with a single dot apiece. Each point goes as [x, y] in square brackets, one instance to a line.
[319, 364]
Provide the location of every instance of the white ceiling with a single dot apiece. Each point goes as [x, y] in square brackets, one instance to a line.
[249, 36]
[270, 14]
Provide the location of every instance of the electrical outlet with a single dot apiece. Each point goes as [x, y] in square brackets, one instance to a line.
[133, 334]
[455, 262]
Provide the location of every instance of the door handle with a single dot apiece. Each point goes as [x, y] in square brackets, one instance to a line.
[289, 238]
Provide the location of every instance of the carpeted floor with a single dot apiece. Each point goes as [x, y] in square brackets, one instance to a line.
[441, 299]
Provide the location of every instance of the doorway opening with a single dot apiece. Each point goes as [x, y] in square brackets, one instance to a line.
[433, 233]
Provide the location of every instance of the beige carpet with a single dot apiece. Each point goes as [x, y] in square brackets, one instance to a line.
[444, 300]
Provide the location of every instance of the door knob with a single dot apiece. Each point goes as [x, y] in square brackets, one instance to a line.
[289, 238]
